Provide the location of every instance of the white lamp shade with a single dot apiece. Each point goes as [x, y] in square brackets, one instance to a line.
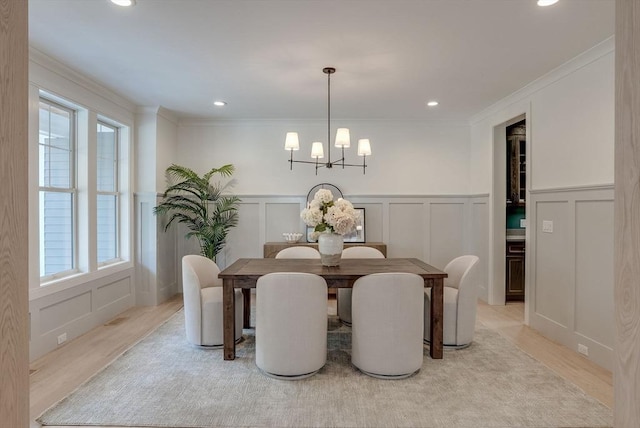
[364, 147]
[291, 141]
[342, 137]
[316, 150]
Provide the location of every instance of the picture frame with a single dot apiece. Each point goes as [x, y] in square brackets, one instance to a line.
[309, 232]
[357, 236]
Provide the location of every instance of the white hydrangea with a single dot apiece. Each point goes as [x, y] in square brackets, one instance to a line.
[323, 196]
[342, 217]
[328, 216]
[312, 216]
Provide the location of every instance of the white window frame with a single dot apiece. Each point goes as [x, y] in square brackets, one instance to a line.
[109, 124]
[73, 190]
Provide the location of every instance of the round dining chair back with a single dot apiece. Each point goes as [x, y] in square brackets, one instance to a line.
[298, 252]
[344, 294]
[386, 332]
[291, 324]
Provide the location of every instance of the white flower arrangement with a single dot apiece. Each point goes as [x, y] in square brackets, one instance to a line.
[327, 216]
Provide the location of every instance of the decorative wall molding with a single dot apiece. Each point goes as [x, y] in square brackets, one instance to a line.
[570, 275]
[93, 303]
[585, 188]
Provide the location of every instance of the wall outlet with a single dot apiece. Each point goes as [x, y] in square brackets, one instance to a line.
[62, 338]
[547, 226]
[583, 349]
[523, 222]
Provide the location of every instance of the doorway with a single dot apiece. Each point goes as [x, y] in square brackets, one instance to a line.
[515, 213]
[502, 211]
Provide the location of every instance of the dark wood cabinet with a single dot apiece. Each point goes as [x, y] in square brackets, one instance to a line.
[515, 271]
[516, 164]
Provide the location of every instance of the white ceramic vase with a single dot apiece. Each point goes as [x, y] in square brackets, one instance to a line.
[330, 246]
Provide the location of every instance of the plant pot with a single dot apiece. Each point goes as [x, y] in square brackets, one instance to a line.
[330, 246]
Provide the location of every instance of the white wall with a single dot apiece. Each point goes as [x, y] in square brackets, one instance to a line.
[166, 146]
[570, 137]
[571, 125]
[409, 158]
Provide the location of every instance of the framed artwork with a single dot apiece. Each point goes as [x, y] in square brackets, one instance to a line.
[309, 231]
[359, 234]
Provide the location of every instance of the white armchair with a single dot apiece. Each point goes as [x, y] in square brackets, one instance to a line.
[460, 299]
[344, 294]
[202, 291]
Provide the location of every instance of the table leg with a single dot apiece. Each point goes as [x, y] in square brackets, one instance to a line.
[228, 319]
[246, 294]
[437, 303]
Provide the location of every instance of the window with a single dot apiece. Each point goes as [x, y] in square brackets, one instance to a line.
[84, 213]
[107, 193]
[56, 140]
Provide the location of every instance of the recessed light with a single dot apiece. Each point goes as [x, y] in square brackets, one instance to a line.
[432, 103]
[546, 2]
[219, 103]
[124, 2]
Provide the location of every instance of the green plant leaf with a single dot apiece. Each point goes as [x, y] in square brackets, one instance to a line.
[203, 207]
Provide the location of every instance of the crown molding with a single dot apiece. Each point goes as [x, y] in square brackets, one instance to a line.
[587, 57]
[67, 73]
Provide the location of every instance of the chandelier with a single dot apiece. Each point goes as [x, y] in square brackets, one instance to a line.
[342, 141]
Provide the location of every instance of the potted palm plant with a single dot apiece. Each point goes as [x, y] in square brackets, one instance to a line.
[202, 206]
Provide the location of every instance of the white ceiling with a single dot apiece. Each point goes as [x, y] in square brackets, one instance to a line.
[265, 58]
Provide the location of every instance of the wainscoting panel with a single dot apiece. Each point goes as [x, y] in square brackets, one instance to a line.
[446, 232]
[281, 218]
[571, 278]
[479, 242]
[146, 242]
[553, 273]
[594, 271]
[156, 253]
[165, 256]
[406, 230]
[245, 239]
[373, 214]
[64, 312]
[111, 293]
[76, 310]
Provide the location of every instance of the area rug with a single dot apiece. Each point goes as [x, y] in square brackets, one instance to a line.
[165, 382]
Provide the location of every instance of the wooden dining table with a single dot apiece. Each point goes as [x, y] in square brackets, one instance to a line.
[244, 274]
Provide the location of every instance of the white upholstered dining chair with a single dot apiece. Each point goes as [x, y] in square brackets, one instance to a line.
[298, 252]
[460, 295]
[291, 324]
[386, 329]
[344, 294]
[202, 293]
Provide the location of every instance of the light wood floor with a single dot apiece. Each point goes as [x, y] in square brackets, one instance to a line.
[58, 373]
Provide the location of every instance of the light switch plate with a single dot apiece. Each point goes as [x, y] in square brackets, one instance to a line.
[547, 226]
[523, 222]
